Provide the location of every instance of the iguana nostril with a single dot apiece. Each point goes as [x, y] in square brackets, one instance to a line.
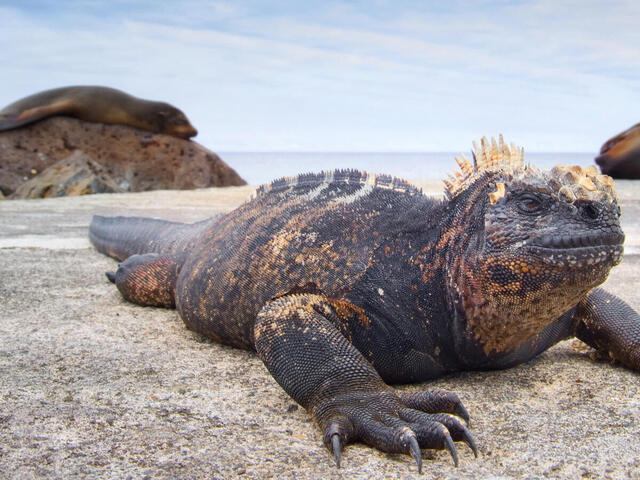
[589, 210]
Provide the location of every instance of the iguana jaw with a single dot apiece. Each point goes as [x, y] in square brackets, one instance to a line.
[515, 287]
[578, 250]
[509, 299]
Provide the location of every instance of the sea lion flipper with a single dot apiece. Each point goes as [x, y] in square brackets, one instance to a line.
[37, 113]
[9, 121]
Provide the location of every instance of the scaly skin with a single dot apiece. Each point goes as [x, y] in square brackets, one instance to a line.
[344, 283]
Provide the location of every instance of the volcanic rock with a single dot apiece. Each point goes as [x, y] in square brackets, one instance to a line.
[76, 175]
[134, 159]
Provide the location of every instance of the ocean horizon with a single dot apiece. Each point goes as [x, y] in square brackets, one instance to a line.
[262, 167]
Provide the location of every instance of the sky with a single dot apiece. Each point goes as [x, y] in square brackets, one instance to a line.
[361, 76]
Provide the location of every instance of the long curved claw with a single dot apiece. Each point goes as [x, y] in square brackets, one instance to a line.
[463, 414]
[415, 452]
[468, 439]
[335, 444]
[452, 448]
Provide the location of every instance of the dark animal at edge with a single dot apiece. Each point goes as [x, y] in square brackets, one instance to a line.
[345, 282]
[620, 156]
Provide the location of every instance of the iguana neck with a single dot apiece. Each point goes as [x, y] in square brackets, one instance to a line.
[505, 304]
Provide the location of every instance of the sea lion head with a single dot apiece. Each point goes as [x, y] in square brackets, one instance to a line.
[172, 121]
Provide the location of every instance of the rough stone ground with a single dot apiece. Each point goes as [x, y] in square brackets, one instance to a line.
[94, 387]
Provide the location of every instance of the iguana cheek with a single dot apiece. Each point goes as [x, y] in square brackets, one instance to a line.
[494, 236]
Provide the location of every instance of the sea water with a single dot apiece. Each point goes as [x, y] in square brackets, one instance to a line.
[262, 167]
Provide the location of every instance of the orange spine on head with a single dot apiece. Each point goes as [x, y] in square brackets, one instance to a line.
[489, 156]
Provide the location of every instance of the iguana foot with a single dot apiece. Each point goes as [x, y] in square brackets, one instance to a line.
[297, 339]
[395, 422]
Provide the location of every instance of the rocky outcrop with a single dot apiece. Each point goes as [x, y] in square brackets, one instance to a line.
[620, 156]
[133, 160]
[76, 175]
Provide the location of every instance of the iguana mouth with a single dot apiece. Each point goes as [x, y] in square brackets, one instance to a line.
[578, 242]
[580, 250]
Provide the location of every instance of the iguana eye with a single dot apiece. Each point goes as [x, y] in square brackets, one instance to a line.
[529, 203]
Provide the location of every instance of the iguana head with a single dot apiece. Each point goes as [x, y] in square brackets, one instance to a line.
[548, 237]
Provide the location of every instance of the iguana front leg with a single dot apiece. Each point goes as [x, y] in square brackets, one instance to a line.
[610, 325]
[299, 339]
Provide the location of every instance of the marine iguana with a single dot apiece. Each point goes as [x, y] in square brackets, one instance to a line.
[345, 282]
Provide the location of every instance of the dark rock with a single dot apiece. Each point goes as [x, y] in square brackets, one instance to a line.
[620, 156]
[76, 175]
[136, 160]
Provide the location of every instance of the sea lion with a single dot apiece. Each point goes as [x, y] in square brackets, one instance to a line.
[620, 156]
[99, 105]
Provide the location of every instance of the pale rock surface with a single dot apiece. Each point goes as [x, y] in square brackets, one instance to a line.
[94, 387]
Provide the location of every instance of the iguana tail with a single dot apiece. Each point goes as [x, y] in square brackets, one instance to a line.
[121, 237]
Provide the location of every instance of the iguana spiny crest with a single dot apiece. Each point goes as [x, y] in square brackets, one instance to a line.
[574, 182]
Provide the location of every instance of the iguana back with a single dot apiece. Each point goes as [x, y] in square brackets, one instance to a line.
[313, 233]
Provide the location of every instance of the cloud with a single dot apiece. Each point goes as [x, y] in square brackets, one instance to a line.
[345, 76]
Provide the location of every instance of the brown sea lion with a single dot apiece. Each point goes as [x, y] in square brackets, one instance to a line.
[99, 105]
[620, 156]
